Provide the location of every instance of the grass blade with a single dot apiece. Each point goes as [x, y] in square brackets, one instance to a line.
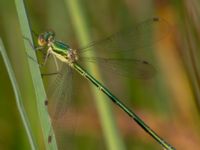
[18, 97]
[35, 75]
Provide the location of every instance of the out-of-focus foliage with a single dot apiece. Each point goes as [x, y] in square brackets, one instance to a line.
[169, 102]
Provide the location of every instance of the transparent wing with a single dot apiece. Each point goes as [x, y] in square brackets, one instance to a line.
[125, 52]
[131, 39]
[140, 69]
[61, 108]
[60, 93]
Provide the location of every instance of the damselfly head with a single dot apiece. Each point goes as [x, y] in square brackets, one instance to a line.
[45, 38]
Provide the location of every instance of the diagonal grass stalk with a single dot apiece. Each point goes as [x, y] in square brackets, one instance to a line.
[18, 97]
[111, 134]
[35, 73]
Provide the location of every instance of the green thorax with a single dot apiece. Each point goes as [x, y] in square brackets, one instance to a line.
[60, 47]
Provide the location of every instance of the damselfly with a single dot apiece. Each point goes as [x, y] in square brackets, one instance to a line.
[124, 42]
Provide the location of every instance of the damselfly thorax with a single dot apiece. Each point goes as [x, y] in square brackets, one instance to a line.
[62, 51]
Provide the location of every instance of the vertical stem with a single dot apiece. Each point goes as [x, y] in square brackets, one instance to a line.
[18, 97]
[79, 21]
[35, 74]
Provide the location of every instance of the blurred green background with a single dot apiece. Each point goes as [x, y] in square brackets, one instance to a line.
[169, 102]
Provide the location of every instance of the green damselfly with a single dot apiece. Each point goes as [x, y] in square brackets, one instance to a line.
[134, 38]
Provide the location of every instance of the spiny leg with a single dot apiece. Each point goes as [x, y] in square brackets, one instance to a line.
[35, 48]
[56, 63]
[32, 45]
[47, 56]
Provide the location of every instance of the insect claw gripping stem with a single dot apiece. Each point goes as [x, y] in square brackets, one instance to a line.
[46, 57]
[33, 60]
[40, 65]
[31, 44]
[34, 33]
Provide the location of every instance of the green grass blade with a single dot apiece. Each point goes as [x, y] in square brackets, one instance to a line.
[108, 122]
[35, 75]
[18, 97]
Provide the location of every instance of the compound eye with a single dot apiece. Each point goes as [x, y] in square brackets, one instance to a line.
[51, 35]
[41, 40]
[51, 32]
